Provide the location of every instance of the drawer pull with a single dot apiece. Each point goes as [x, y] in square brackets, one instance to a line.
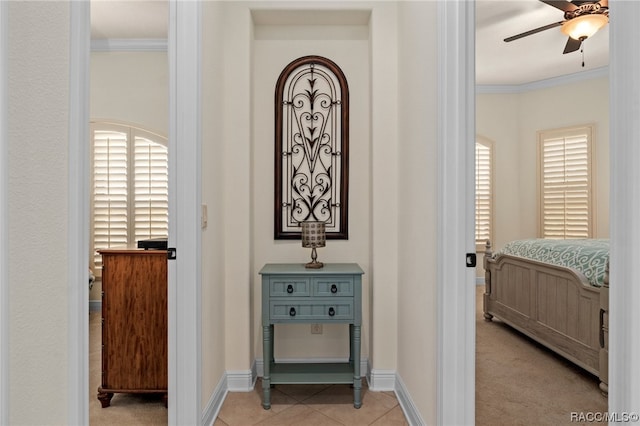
[334, 288]
[290, 289]
[292, 312]
[332, 312]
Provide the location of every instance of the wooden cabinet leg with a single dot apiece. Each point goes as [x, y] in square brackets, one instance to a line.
[105, 398]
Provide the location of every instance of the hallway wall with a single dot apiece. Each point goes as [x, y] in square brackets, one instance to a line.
[392, 176]
[511, 121]
[275, 44]
[38, 146]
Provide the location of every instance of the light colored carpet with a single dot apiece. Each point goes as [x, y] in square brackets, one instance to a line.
[519, 382]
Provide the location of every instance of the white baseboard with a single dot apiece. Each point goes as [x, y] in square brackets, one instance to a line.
[406, 403]
[381, 380]
[95, 305]
[241, 380]
[479, 280]
[214, 405]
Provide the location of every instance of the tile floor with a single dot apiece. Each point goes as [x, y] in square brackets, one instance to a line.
[310, 405]
[307, 405]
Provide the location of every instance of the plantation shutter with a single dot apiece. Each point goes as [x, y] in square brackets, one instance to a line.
[151, 189]
[483, 194]
[130, 187]
[566, 184]
[110, 190]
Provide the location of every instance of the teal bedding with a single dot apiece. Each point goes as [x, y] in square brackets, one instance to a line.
[587, 256]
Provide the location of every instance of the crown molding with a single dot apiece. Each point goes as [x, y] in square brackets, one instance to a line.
[544, 84]
[129, 45]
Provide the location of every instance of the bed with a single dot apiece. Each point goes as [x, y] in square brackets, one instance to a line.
[557, 293]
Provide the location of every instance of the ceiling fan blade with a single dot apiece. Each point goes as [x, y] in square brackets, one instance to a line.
[534, 31]
[572, 45]
[563, 5]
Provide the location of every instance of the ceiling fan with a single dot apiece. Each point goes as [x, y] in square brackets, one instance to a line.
[582, 19]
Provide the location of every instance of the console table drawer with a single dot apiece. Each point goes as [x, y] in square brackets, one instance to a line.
[329, 309]
[332, 286]
[289, 287]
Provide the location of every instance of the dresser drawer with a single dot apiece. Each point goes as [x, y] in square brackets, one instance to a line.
[289, 286]
[317, 309]
[332, 286]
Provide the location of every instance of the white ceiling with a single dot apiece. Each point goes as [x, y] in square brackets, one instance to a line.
[533, 58]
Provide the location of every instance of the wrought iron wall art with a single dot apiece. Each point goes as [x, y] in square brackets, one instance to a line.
[311, 148]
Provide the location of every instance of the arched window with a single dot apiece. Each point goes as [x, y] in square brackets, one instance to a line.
[311, 148]
[129, 199]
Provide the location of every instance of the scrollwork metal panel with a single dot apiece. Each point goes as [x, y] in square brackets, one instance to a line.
[311, 155]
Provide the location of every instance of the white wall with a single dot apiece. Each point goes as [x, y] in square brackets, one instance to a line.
[237, 174]
[384, 186]
[498, 119]
[392, 212]
[274, 47]
[511, 122]
[131, 87]
[585, 102]
[213, 188]
[253, 57]
[38, 82]
[417, 189]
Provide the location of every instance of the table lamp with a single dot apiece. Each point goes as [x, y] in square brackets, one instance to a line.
[313, 236]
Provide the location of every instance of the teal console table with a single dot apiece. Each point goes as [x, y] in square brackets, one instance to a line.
[293, 294]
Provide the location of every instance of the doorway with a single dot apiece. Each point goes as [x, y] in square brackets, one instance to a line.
[582, 110]
[129, 107]
[184, 311]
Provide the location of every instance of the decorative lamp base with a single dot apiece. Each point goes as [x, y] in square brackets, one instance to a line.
[314, 265]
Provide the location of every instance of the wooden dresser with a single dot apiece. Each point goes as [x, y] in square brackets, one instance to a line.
[134, 323]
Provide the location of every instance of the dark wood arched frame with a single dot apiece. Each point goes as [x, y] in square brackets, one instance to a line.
[311, 148]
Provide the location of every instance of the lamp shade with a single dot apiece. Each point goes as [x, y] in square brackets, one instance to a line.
[582, 27]
[313, 234]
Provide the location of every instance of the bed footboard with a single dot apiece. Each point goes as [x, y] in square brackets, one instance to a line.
[551, 304]
[603, 372]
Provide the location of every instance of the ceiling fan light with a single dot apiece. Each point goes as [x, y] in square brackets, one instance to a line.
[584, 26]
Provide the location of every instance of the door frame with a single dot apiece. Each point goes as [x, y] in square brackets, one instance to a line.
[185, 199]
[624, 205]
[456, 100]
[455, 393]
[184, 47]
